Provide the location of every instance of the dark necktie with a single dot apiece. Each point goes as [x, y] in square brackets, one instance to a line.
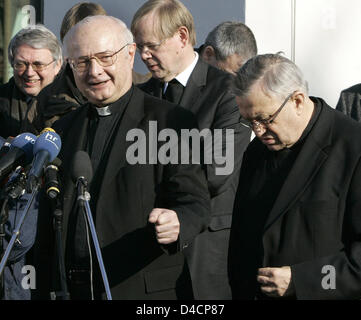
[174, 91]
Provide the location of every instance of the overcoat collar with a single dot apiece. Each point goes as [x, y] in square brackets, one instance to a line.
[310, 159]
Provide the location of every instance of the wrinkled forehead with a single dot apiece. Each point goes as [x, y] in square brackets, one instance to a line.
[94, 37]
[256, 102]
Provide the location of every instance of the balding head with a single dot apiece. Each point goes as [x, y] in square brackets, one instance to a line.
[100, 50]
[97, 23]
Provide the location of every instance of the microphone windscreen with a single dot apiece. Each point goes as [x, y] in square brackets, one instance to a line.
[25, 142]
[50, 142]
[46, 130]
[82, 167]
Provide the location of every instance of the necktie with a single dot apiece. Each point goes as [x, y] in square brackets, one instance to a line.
[174, 91]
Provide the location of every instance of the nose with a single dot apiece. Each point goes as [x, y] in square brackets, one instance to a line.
[29, 71]
[259, 130]
[145, 54]
[94, 67]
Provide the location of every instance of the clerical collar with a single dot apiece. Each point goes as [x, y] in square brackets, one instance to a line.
[104, 111]
[115, 107]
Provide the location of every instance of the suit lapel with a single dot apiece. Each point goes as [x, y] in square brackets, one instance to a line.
[195, 84]
[310, 159]
[153, 87]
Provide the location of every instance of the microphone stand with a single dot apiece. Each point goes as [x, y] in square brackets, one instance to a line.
[83, 198]
[57, 224]
[3, 218]
[17, 230]
[12, 189]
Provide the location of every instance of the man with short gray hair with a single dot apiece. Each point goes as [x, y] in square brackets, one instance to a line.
[296, 226]
[36, 58]
[228, 46]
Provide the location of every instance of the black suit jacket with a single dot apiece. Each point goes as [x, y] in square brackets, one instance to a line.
[16, 116]
[350, 102]
[315, 220]
[206, 95]
[137, 266]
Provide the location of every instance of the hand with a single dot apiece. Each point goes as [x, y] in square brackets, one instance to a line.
[276, 282]
[167, 225]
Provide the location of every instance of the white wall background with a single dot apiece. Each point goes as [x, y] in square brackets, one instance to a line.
[327, 39]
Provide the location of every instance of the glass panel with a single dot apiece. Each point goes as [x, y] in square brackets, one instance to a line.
[15, 15]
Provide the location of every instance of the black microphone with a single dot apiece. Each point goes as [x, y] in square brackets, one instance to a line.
[5, 146]
[19, 154]
[81, 173]
[52, 185]
[46, 148]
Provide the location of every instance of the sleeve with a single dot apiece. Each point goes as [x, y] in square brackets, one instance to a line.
[230, 140]
[184, 186]
[336, 276]
[349, 104]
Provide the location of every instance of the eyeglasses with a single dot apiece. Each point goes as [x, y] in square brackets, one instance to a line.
[36, 66]
[257, 124]
[151, 47]
[104, 59]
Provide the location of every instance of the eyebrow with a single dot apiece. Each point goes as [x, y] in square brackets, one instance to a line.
[103, 52]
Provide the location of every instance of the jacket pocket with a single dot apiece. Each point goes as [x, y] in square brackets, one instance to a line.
[162, 279]
[220, 222]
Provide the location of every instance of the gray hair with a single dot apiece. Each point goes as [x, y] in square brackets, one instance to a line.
[37, 37]
[126, 33]
[230, 38]
[277, 75]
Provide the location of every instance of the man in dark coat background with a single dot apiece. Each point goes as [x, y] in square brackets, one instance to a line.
[165, 36]
[296, 226]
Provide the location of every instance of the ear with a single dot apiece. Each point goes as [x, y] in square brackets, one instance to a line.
[58, 66]
[132, 47]
[183, 35]
[299, 98]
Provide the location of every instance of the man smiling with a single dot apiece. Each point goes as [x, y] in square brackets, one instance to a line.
[36, 57]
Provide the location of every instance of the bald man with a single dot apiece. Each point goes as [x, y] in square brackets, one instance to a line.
[142, 210]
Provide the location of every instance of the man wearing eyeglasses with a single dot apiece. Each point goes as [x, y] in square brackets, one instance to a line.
[165, 36]
[36, 58]
[296, 226]
[144, 213]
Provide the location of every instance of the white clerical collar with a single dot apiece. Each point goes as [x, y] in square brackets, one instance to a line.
[184, 76]
[103, 111]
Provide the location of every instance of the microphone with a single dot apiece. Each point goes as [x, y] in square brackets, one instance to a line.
[47, 146]
[5, 145]
[19, 154]
[48, 129]
[52, 184]
[82, 173]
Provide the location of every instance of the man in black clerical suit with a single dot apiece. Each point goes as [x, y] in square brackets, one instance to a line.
[145, 214]
[165, 36]
[296, 229]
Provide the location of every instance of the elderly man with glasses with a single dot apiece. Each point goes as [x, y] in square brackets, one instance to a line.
[144, 212]
[36, 58]
[296, 231]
